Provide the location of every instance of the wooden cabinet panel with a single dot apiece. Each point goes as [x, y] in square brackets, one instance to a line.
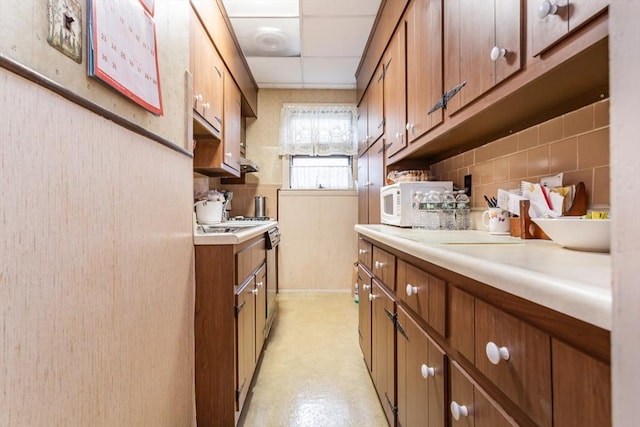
[424, 66]
[581, 388]
[375, 106]
[473, 29]
[365, 253]
[248, 259]
[245, 340]
[383, 348]
[477, 409]
[551, 28]
[423, 293]
[461, 314]
[395, 91]
[370, 180]
[363, 133]
[525, 375]
[364, 315]
[384, 267]
[261, 309]
[232, 125]
[421, 376]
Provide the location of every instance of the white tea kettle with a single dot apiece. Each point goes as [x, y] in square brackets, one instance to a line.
[208, 211]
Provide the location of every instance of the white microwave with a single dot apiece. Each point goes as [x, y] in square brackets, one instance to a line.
[395, 199]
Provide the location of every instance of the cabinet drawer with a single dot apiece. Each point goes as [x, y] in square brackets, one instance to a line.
[516, 357]
[365, 253]
[249, 259]
[580, 381]
[384, 267]
[461, 313]
[423, 293]
[470, 406]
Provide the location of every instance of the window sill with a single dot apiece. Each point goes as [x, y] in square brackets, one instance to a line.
[320, 192]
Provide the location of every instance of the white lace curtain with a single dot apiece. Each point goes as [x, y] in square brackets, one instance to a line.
[318, 130]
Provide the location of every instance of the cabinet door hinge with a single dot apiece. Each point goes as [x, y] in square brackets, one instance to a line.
[442, 102]
[394, 408]
[240, 307]
[401, 329]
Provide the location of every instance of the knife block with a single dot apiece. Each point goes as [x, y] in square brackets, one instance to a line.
[524, 228]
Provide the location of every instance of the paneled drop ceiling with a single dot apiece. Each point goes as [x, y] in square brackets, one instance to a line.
[312, 44]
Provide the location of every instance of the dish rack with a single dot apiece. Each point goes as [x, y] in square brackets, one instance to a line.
[524, 228]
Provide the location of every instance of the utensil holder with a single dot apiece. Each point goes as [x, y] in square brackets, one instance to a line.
[524, 228]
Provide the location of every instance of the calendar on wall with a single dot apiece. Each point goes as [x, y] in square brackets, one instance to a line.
[123, 50]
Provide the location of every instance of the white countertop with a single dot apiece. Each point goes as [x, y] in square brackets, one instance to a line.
[201, 238]
[571, 282]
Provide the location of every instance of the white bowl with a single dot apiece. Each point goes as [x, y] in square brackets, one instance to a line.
[574, 232]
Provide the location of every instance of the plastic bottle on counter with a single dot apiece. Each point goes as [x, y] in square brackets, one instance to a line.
[432, 203]
[448, 215]
[463, 212]
[416, 218]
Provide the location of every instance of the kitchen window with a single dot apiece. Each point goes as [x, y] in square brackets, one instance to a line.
[318, 141]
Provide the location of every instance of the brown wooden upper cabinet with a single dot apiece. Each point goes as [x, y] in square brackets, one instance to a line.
[232, 125]
[424, 66]
[552, 20]
[482, 42]
[208, 77]
[371, 111]
[394, 94]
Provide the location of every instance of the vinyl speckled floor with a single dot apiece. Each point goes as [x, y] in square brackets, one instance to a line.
[312, 372]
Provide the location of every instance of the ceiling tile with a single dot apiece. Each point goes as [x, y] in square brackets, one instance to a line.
[336, 36]
[330, 70]
[262, 8]
[340, 7]
[276, 70]
[268, 36]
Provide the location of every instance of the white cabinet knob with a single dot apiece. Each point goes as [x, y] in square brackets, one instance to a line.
[198, 97]
[495, 354]
[427, 371]
[546, 9]
[255, 291]
[410, 126]
[260, 284]
[497, 52]
[205, 106]
[362, 251]
[366, 287]
[411, 290]
[379, 264]
[228, 154]
[372, 297]
[458, 410]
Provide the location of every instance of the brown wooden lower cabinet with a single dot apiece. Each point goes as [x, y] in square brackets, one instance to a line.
[383, 348]
[421, 375]
[364, 315]
[245, 340]
[581, 388]
[469, 355]
[470, 406]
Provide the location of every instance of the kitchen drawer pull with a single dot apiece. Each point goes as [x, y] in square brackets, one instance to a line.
[546, 9]
[495, 354]
[411, 290]
[366, 287]
[379, 264]
[427, 371]
[458, 410]
[497, 52]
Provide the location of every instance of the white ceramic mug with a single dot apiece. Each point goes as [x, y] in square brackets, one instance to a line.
[496, 220]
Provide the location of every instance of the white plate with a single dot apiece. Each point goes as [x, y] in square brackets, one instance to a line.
[578, 233]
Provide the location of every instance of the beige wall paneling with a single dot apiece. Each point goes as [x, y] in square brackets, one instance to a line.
[625, 199]
[23, 38]
[318, 243]
[96, 278]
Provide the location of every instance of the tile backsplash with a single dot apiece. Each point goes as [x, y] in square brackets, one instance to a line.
[576, 144]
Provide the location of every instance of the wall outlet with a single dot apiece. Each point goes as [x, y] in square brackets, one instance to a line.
[65, 28]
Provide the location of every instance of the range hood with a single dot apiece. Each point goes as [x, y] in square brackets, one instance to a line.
[247, 166]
